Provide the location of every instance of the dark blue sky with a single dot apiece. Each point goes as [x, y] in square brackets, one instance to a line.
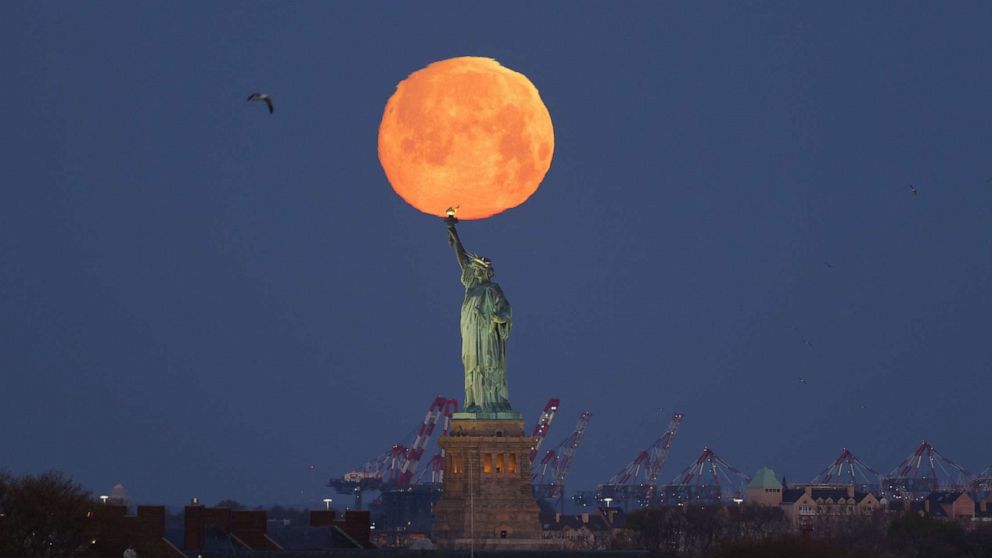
[198, 298]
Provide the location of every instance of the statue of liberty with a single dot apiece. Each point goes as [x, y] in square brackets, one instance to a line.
[486, 322]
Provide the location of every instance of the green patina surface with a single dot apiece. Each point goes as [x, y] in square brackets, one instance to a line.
[764, 478]
[482, 415]
[486, 322]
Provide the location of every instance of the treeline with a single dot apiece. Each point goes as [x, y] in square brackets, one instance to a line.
[49, 515]
[43, 515]
[764, 532]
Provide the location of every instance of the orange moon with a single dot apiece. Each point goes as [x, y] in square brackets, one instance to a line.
[465, 132]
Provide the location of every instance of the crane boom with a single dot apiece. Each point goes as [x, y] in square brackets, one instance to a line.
[637, 482]
[435, 467]
[568, 449]
[543, 424]
[658, 452]
[416, 450]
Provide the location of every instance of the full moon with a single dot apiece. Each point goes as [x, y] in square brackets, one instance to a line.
[467, 133]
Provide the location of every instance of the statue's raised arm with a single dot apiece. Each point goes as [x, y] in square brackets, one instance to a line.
[456, 242]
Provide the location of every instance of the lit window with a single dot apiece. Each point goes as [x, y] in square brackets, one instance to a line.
[511, 467]
[487, 463]
[457, 466]
[499, 462]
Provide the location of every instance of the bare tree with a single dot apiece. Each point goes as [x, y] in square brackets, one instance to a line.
[42, 516]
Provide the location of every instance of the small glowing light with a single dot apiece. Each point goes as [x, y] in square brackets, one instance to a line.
[93, 541]
[327, 502]
[104, 498]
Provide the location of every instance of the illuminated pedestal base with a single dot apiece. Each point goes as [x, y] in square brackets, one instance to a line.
[487, 496]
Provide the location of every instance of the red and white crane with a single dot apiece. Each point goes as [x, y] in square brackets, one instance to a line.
[636, 483]
[397, 465]
[543, 424]
[435, 467]
[848, 469]
[416, 450]
[708, 478]
[549, 475]
[925, 470]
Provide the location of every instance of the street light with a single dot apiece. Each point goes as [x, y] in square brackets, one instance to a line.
[104, 498]
[327, 502]
[607, 500]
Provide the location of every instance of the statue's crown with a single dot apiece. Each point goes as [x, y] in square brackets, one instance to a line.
[480, 261]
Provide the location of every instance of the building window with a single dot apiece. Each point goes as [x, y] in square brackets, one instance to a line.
[457, 465]
[511, 467]
[499, 463]
[487, 463]
[502, 534]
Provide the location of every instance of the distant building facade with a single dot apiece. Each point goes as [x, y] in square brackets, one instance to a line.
[764, 489]
[804, 505]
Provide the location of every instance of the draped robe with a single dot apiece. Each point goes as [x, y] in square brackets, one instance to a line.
[485, 324]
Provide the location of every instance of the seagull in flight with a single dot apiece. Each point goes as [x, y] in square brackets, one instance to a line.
[803, 381]
[913, 190]
[262, 97]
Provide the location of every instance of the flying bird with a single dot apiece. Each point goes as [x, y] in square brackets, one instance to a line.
[913, 190]
[262, 97]
[828, 264]
[803, 381]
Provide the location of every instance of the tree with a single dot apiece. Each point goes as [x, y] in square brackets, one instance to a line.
[43, 516]
[980, 540]
[913, 535]
[661, 530]
[750, 522]
[705, 526]
[783, 547]
[859, 534]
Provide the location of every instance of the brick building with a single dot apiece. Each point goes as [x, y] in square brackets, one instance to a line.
[806, 504]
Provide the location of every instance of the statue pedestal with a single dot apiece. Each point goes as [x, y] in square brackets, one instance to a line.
[487, 502]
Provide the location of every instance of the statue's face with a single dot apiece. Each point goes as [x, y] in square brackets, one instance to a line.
[485, 273]
[481, 273]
